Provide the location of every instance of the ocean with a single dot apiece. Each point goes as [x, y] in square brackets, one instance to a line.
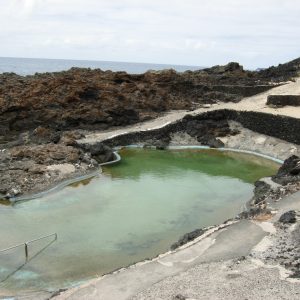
[30, 66]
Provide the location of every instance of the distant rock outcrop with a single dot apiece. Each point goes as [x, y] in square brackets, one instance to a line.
[94, 99]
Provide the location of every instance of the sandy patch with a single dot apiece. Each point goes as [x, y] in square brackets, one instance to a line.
[64, 169]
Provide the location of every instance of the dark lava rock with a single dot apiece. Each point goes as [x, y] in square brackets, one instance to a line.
[229, 68]
[207, 130]
[282, 72]
[162, 144]
[50, 153]
[43, 135]
[57, 293]
[260, 191]
[122, 116]
[296, 274]
[210, 141]
[254, 212]
[288, 165]
[99, 151]
[187, 238]
[23, 169]
[295, 171]
[180, 297]
[289, 171]
[283, 100]
[96, 99]
[222, 96]
[288, 217]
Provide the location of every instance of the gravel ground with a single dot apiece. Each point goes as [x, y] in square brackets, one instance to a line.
[240, 280]
[270, 271]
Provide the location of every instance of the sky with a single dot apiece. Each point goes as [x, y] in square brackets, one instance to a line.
[256, 33]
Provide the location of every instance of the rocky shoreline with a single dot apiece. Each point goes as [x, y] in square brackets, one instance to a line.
[45, 117]
[32, 169]
[46, 121]
[94, 99]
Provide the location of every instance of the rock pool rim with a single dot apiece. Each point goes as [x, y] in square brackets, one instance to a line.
[66, 182]
[186, 147]
[118, 158]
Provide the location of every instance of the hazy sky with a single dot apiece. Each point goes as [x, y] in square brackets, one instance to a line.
[256, 33]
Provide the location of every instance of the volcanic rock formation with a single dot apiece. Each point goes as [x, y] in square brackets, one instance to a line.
[42, 116]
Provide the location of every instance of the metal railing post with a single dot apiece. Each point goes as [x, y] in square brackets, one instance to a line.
[26, 251]
[27, 243]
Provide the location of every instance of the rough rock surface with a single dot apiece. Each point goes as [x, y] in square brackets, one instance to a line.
[289, 171]
[31, 168]
[283, 71]
[288, 217]
[268, 190]
[43, 116]
[187, 238]
[94, 99]
[284, 244]
[208, 131]
[261, 189]
[283, 100]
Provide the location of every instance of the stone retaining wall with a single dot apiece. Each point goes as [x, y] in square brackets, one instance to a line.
[284, 100]
[243, 90]
[282, 127]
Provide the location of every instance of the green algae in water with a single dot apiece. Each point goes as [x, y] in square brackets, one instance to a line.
[134, 210]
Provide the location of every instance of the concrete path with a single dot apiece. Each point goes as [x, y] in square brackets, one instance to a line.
[254, 103]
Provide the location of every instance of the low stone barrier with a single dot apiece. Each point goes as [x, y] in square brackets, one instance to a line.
[282, 127]
[243, 90]
[284, 100]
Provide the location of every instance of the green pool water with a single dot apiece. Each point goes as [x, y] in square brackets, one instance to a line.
[134, 210]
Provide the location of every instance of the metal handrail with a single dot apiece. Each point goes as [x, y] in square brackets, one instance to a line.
[29, 242]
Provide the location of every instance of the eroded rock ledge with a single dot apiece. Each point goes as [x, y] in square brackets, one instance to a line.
[38, 163]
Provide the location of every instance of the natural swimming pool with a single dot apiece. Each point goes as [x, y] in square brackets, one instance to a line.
[134, 210]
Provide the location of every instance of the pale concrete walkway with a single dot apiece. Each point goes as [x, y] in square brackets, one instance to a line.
[254, 103]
